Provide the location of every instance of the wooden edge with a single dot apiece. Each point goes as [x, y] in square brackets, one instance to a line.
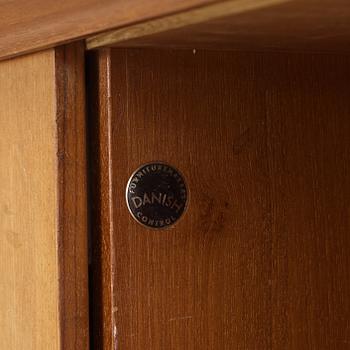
[72, 198]
[31, 26]
[99, 130]
[179, 20]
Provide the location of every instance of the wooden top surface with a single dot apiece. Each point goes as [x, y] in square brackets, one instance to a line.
[317, 25]
[244, 25]
[27, 26]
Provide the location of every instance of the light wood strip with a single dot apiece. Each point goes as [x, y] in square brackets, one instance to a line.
[43, 238]
[28, 204]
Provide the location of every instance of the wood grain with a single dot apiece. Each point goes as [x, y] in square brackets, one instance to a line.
[43, 251]
[28, 177]
[261, 258]
[283, 25]
[299, 25]
[179, 20]
[26, 26]
[100, 181]
[72, 196]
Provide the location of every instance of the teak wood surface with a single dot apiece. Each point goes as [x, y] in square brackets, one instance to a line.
[72, 196]
[26, 26]
[313, 25]
[274, 25]
[145, 32]
[43, 216]
[261, 258]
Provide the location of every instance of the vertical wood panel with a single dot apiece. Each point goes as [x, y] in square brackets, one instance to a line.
[202, 284]
[309, 155]
[72, 196]
[99, 137]
[28, 177]
[43, 251]
[179, 284]
[261, 258]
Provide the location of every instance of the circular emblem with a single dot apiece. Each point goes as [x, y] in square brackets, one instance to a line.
[156, 195]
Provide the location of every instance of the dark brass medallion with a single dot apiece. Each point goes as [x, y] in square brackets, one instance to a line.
[156, 195]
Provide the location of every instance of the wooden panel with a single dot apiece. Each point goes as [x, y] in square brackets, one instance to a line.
[43, 251]
[72, 196]
[28, 177]
[261, 258]
[169, 23]
[294, 24]
[311, 25]
[31, 25]
[99, 136]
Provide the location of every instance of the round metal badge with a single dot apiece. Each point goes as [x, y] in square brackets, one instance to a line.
[156, 195]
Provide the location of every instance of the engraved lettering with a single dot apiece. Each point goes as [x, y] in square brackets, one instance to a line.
[150, 222]
[146, 199]
[169, 201]
[156, 195]
[137, 201]
[156, 198]
[176, 205]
